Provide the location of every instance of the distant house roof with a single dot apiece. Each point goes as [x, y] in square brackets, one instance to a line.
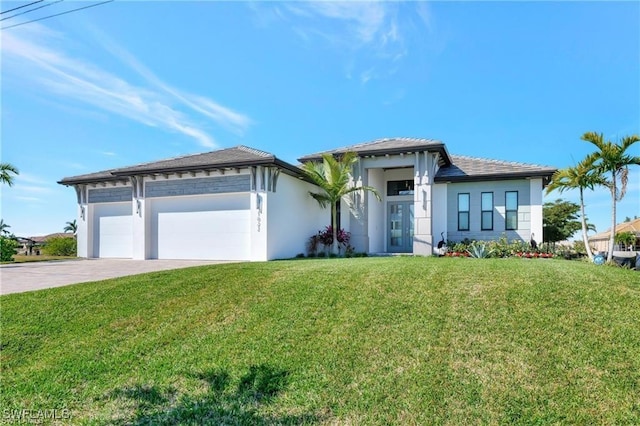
[386, 146]
[467, 169]
[632, 226]
[44, 238]
[239, 156]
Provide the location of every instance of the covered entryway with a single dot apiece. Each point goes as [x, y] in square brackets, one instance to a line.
[112, 230]
[400, 225]
[215, 227]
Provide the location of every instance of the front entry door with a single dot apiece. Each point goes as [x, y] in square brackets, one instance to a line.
[400, 223]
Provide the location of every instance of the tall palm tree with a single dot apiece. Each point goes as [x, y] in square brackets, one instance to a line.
[613, 158]
[71, 227]
[333, 176]
[582, 176]
[4, 227]
[6, 173]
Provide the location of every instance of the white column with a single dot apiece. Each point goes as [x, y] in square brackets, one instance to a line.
[422, 231]
[140, 223]
[82, 233]
[535, 201]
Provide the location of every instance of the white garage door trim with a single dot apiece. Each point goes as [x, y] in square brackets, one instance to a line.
[112, 230]
[214, 227]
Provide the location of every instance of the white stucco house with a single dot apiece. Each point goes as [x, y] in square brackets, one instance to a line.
[245, 204]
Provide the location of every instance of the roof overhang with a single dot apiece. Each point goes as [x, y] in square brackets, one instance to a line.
[440, 148]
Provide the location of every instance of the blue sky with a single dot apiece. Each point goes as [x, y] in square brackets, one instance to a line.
[128, 82]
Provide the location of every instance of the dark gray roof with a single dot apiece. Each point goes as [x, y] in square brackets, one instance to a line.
[386, 146]
[102, 176]
[466, 169]
[239, 156]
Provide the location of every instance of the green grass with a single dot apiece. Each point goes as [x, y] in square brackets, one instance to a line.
[333, 341]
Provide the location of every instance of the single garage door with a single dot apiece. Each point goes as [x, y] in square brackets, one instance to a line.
[215, 227]
[112, 230]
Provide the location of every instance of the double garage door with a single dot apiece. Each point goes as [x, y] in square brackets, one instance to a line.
[213, 227]
[201, 227]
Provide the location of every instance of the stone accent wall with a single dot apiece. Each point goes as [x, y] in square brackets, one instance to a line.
[197, 186]
[110, 195]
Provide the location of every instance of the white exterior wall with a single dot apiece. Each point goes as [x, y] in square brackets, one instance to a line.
[535, 226]
[440, 207]
[292, 217]
[377, 226]
[82, 232]
[525, 220]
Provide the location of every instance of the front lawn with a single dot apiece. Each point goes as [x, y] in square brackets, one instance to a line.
[404, 340]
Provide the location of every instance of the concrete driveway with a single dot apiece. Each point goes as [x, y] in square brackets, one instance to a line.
[29, 276]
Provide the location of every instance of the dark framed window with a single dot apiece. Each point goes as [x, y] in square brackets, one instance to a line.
[400, 187]
[486, 202]
[511, 210]
[463, 211]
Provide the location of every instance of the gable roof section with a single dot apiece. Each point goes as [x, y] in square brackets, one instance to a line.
[239, 156]
[469, 169]
[387, 146]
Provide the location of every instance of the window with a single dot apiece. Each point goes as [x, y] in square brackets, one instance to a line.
[463, 212]
[511, 210]
[487, 211]
[400, 187]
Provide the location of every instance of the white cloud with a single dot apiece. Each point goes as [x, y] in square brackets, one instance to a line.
[375, 31]
[34, 57]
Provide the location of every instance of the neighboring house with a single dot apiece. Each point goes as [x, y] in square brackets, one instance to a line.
[600, 241]
[33, 245]
[245, 204]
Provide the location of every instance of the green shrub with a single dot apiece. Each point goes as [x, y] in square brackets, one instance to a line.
[478, 250]
[8, 248]
[60, 246]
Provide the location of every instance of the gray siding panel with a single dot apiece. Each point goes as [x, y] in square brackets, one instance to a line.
[110, 195]
[198, 186]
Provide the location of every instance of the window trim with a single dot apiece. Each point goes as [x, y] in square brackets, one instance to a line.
[507, 210]
[483, 211]
[467, 212]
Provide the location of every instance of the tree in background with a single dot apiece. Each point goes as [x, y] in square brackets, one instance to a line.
[333, 176]
[627, 238]
[4, 228]
[613, 159]
[71, 227]
[560, 220]
[582, 176]
[8, 173]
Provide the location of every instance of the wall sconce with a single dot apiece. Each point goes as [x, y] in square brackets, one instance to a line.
[259, 202]
[82, 212]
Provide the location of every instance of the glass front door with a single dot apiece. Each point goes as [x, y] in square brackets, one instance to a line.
[400, 223]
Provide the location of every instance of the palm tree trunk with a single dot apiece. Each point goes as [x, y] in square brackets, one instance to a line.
[613, 217]
[334, 227]
[585, 239]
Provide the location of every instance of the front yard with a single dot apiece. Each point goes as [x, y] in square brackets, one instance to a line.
[403, 340]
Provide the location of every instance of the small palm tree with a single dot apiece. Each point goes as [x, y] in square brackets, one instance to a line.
[4, 228]
[71, 227]
[333, 176]
[7, 172]
[613, 158]
[582, 176]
